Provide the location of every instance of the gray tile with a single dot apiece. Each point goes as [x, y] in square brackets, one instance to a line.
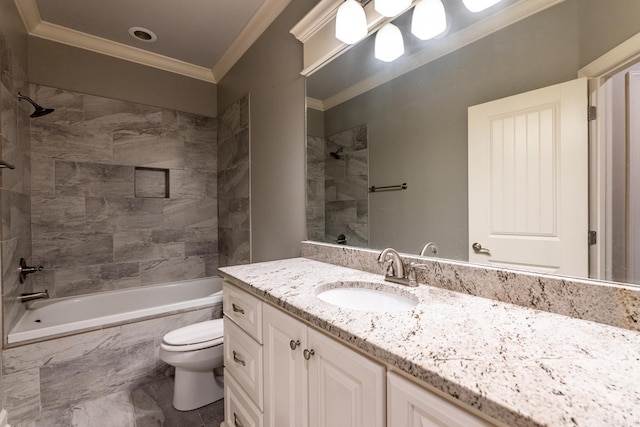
[234, 181]
[114, 410]
[213, 414]
[72, 249]
[148, 244]
[110, 214]
[96, 375]
[148, 147]
[42, 176]
[22, 395]
[8, 121]
[68, 106]
[151, 182]
[96, 180]
[57, 214]
[104, 115]
[71, 142]
[83, 279]
[169, 270]
[184, 213]
[153, 407]
[20, 215]
[201, 241]
[201, 155]
[187, 183]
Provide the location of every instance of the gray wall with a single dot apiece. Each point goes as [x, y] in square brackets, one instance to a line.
[58, 65]
[270, 73]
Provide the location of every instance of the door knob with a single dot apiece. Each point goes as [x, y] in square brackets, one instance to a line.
[477, 247]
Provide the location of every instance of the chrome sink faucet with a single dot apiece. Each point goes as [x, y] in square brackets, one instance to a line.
[392, 263]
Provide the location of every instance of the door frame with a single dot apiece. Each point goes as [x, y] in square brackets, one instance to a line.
[600, 96]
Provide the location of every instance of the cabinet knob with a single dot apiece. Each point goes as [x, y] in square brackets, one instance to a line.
[237, 359]
[236, 421]
[237, 308]
[294, 344]
[308, 353]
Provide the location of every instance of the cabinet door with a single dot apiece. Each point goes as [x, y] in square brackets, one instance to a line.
[285, 376]
[345, 388]
[414, 406]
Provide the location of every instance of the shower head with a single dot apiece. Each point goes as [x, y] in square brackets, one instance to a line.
[336, 154]
[40, 111]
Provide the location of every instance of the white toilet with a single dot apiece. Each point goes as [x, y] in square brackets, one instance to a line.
[195, 351]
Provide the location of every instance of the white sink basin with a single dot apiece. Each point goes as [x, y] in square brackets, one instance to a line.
[365, 296]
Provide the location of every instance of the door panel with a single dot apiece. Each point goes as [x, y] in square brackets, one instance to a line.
[528, 180]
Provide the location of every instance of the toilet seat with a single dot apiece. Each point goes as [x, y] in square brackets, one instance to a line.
[194, 337]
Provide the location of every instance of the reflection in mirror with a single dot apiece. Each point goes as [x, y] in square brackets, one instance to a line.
[414, 129]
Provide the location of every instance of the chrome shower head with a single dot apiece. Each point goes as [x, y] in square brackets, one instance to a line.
[40, 111]
[336, 154]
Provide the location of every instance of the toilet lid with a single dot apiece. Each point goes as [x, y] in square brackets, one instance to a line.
[208, 330]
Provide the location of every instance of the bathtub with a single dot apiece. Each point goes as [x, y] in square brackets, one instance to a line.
[64, 316]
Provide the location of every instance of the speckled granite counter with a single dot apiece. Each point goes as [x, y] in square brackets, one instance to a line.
[521, 366]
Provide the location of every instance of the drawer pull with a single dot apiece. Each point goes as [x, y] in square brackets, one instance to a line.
[237, 308]
[238, 360]
[236, 421]
[294, 344]
[308, 353]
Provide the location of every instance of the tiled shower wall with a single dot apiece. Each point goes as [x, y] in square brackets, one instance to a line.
[233, 184]
[123, 194]
[337, 188]
[15, 185]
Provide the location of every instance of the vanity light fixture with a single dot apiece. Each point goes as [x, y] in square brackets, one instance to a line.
[429, 19]
[479, 5]
[351, 22]
[389, 45]
[391, 8]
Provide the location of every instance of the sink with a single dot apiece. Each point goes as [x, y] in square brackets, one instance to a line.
[367, 296]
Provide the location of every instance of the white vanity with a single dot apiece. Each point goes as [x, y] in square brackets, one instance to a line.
[457, 360]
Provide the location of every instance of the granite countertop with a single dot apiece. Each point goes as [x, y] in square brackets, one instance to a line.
[521, 366]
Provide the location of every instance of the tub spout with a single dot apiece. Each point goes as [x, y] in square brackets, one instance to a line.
[30, 296]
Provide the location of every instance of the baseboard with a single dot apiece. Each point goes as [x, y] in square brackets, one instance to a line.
[3, 419]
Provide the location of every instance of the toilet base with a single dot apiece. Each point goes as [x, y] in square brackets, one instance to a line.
[194, 389]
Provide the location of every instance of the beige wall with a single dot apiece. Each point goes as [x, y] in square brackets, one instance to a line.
[58, 65]
[270, 73]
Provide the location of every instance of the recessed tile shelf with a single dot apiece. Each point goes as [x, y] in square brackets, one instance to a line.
[151, 183]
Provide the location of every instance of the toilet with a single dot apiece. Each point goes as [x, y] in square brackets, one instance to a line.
[195, 351]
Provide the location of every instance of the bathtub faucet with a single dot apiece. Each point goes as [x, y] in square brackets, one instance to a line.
[30, 296]
[25, 269]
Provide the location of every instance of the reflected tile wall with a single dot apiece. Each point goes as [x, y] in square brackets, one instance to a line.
[15, 184]
[233, 184]
[346, 182]
[90, 229]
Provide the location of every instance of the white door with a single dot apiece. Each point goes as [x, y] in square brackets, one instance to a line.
[528, 180]
[345, 388]
[285, 381]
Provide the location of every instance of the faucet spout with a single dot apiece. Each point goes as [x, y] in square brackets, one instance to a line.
[31, 296]
[394, 266]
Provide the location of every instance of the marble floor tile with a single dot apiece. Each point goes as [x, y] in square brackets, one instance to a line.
[115, 410]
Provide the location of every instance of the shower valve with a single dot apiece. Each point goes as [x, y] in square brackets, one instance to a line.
[25, 269]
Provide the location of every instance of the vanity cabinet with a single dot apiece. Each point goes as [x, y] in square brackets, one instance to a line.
[409, 405]
[313, 380]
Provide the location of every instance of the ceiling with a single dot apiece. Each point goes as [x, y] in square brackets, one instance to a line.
[201, 39]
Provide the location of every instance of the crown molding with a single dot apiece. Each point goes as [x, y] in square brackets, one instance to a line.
[451, 42]
[315, 104]
[614, 60]
[264, 16]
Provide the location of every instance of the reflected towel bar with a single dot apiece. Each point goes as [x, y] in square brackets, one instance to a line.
[402, 186]
[4, 164]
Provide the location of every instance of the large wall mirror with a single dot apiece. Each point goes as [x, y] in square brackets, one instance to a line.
[366, 133]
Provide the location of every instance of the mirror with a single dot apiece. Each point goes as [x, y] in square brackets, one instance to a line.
[413, 130]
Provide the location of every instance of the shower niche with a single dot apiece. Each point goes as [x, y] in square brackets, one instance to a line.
[151, 183]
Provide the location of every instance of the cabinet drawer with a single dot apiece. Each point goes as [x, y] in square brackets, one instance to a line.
[410, 405]
[244, 309]
[243, 358]
[239, 411]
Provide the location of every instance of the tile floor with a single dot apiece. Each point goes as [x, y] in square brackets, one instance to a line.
[147, 406]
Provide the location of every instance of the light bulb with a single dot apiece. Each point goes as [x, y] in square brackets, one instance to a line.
[391, 8]
[389, 45]
[479, 5]
[351, 22]
[429, 19]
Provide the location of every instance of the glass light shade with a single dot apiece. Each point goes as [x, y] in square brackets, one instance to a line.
[429, 19]
[391, 8]
[479, 5]
[351, 22]
[389, 45]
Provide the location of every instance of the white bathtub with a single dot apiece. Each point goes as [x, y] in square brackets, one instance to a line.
[54, 317]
